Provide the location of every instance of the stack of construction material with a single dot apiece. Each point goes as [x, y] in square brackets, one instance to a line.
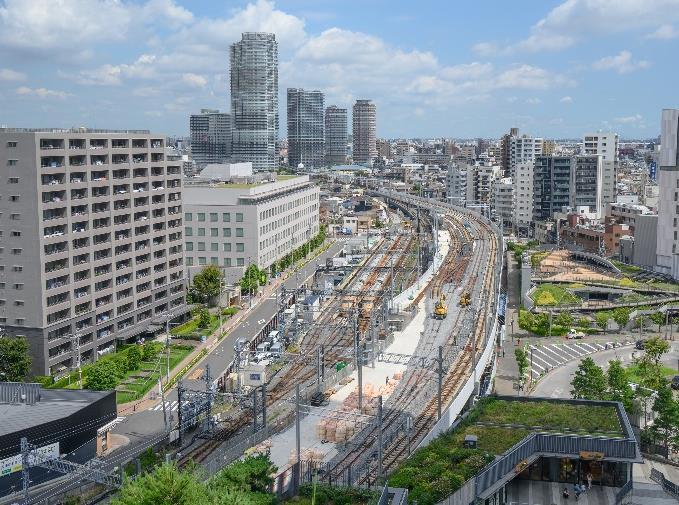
[262, 448]
[313, 455]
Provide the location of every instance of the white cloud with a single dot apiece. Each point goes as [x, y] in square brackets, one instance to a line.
[566, 99]
[41, 92]
[194, 80]
[664, 32]
[633, 119]
[575, 20]
[533, 101]
[621, 63]
[113, 75]
[531, 77]
[7, 74]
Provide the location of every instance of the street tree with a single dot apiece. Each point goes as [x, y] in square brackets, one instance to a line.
[103, 375]
[522, 362]
[602, 318]
[617, 381]
[564, 319]
[203, 317]
[253, 277]
[206, 285]
[621, 316]
[15, 362]
[654, 348]
[658, 318]
[666, 422]
[589, 382]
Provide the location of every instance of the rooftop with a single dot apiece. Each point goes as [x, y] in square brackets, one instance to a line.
[70, 130]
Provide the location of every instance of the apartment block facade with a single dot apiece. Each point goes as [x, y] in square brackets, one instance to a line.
[523, 149]
[363, 128]
[306, 125]
[91, 240]
[523, 199]
[210, 137]
[667, 250]
[605, 145]
[254, 100]
[232, 227]
[336, 135]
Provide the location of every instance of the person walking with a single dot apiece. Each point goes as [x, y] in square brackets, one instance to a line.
[589, 480]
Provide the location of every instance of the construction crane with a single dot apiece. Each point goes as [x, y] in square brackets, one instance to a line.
[440, 309]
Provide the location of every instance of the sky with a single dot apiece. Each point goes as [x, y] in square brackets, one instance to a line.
[556, 69]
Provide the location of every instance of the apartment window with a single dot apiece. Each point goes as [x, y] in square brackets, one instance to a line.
[15, 217]
[201, 216]
[188, 216]
[188, 231]
[2, 285]
[227, 262]
[14, 198]
[202, 260]
[239, 217]
[214, 260]
[20, 321]
[227, 247]
[12, 163]
[19, 303]
[214, 217]
[239, 232]
[189, 262]
[16, 250]
[214, 246]
[17, 268]
[19, 286]
[13, 180]
[201, 232]
[226, 232]
[15, 233]
[226, 217]
[214, 232]
[11, 144]
[189, 246]
[201, 246]
[240, 262]
[240, 247]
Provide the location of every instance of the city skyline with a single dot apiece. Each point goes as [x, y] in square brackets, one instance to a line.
[556, 70]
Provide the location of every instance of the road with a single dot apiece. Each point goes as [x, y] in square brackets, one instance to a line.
[139, 426]
[557, 383]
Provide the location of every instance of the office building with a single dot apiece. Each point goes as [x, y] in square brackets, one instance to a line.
[523, 149]
[91, 226]
[668, 180]
[523, 199]
[566, 181]
[335, 135]
[233, 225]
[605, 145]
[210, 137]
[254, 100]
[306, 139]
[364, 125]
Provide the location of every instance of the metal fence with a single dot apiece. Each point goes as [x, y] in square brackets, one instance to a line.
[624, 496]
[669, 486]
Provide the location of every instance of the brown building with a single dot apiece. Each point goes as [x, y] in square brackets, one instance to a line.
[581, 233]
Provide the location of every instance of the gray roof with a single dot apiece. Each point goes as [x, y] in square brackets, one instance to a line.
[54, 404]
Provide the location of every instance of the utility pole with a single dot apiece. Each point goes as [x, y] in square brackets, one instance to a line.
[358, 363]
[162, 399]
[264, 405]
[25, 479]
[379, 438]
[322, 359]
[440, 382]
[75, 349]
[180, 390]
[254, 411]
[297, 430]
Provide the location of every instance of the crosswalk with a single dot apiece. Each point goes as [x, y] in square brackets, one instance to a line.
[545, 357]
[171, 406]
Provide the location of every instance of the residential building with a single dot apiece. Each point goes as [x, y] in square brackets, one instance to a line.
[505, 149]
[548, 147]
[456, 182]
[605, 145]
[335, 135]
[210, 137]
[583, 234]
[91, 226]
[233, 225]
[523, 149]
[503, 203]
[306, 138]
[384, 149]
[625, 213]
[481, 178]
[254, 100]
[523, 199]
[668, 208]
[364, 126]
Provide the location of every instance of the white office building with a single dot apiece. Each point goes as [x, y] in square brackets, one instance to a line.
[234, 225]
[523, 199]
[523, 149]
[605, 145]
[667, 255]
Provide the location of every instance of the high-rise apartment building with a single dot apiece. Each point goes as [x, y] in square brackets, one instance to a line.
[456, 184]
[364, 125]
[667, 251]
[503, 203]
[605, 145]
[306, 139]
[254, 100]
[210, 137]
[505, 148]
[523, 149]
[523, 199]
[91, 243]
[566, 181]
[336, 135]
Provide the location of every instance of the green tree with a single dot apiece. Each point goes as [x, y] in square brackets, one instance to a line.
[564, 319]
[658, 318]
[203, 317]
[666, 423]
[134, 357]
[15, 362]
[522, 362]
[251, 474]
[619, 389]
[602, 318]
[621, 316]
[103, 375]
[589, 382]
[149, 351]
[251, 279]
[654, 348]
[206, 285]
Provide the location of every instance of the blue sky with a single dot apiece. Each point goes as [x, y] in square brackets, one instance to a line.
[434, 68]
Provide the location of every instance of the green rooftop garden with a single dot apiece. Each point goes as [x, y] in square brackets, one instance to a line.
[553, 295]
[436, 471]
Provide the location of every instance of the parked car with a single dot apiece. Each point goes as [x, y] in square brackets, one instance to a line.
[675, 382]
[640, 344]
[573, 333]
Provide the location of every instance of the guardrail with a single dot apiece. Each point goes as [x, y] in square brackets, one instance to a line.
[668, 486]
[623, 496]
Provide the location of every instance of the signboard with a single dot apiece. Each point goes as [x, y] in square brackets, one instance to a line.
[653, 170]
[13, 464]
[596, 456]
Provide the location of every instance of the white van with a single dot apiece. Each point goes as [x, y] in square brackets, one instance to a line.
[274, 336]
[263, 347]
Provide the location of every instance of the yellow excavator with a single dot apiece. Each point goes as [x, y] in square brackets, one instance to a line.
[465, 299]
[440, 309]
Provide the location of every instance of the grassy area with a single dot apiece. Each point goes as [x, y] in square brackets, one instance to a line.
[536, 258]
[625, 268]
[633, 373]
[553, 295]
[142, 385]
[441, 468]
[632, 297]
[329, 495]
[191, 330]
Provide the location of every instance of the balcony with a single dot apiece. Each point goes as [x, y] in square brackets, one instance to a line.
[76, 144]
[139, 158]
[119, 143]
[52, 214]
[121, 174]
[54, 231]
[98, 143]
[79, 210]
[78, 178]
[51, 144]
[51, 161]
[118, 159]
[98, 159]
[77, 161]
[52, 180]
